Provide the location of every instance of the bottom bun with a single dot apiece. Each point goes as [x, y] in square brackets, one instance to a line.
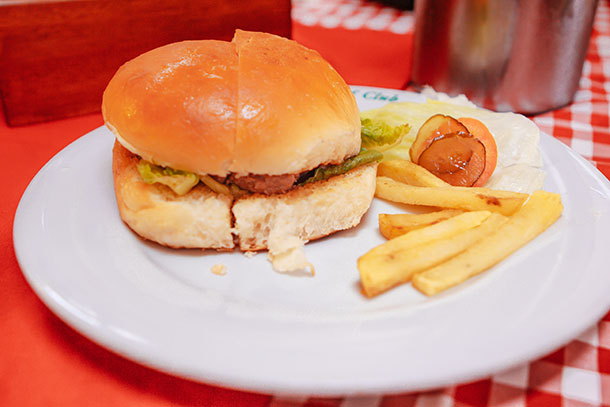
[204, 219]
[199, 219]
[308, 212]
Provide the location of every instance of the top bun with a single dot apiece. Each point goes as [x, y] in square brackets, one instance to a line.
[260, 104]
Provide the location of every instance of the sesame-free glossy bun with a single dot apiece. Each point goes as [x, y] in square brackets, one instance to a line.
[176, 105]
[295, 111]
[260, 104]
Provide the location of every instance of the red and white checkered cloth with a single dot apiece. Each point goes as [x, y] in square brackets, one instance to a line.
[352, 15]
[575, 375]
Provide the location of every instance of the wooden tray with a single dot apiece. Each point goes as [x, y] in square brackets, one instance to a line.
[57, 57]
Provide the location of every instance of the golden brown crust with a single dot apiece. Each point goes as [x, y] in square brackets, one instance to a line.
[209, 106]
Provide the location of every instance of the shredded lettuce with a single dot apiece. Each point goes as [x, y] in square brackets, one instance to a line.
[324, 172]
[379, 135]
[237, 192]
[215, 186]
[220, 188]
[179, 181]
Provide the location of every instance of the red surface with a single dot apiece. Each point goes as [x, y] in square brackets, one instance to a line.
[357, 56]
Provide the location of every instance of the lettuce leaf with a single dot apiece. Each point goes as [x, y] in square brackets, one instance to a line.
[220, 188]
[379, 135]
[324, 172]
[215, 186]
[179, 181]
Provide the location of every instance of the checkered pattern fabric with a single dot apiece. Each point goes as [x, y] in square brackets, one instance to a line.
[577, 375]
[351, 15]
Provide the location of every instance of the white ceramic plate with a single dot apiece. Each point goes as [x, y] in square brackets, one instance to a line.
[259, 330]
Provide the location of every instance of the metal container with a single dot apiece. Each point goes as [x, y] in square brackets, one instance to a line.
[507, 55]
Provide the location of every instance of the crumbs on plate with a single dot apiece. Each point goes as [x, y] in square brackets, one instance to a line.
[219, 269]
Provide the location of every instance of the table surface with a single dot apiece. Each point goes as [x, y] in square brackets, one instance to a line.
[44, 362]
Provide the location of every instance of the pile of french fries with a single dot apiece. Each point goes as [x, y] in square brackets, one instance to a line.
[471, 230]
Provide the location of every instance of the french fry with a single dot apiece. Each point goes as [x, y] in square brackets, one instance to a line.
[468, 198]
[536, 215]
[409, 173]
[395, 261]
[440, 230]
[395, 225]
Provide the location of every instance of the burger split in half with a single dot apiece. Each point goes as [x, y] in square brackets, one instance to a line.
[253, 143]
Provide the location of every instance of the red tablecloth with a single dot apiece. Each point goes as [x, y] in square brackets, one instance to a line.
[44, 362]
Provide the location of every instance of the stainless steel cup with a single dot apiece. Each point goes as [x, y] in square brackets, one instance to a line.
[507, 55]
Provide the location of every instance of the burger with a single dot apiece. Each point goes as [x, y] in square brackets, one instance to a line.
[236, 144]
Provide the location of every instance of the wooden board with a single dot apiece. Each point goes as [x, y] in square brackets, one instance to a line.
[57, 57]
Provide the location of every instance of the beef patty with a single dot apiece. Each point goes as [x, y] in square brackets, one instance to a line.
[265, 184]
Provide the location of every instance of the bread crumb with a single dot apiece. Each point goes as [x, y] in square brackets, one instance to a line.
[219, 269]
[286, 253]
[249, 254]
